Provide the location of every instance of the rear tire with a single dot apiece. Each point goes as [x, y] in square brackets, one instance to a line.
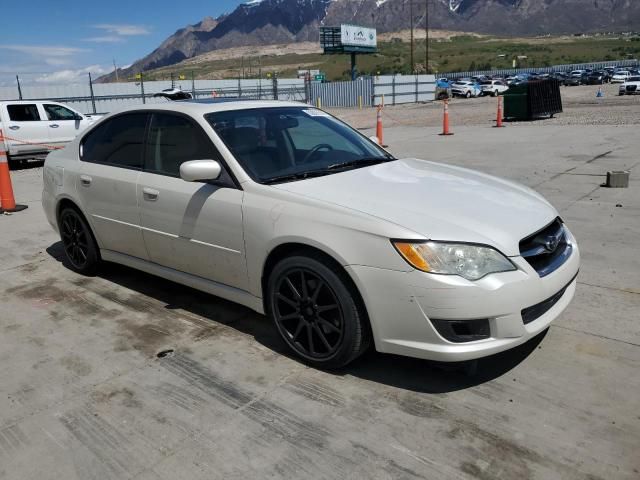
[316, 312]
[80, 247]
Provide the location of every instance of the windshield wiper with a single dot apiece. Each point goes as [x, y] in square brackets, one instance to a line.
[296, 176]
[361, 162]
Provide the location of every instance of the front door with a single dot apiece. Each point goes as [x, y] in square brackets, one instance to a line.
[193, 227]
[64, 123]
[111, 163]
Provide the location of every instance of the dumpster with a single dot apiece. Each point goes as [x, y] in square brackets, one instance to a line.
[533, 99]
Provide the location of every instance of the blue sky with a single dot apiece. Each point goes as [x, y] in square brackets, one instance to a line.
[57, 41]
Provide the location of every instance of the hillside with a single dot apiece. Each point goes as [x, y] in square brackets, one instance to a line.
[271, 22]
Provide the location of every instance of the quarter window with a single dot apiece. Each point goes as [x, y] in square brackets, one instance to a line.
[117, 142]
[172, 140]
[58, 112]
[23, 113]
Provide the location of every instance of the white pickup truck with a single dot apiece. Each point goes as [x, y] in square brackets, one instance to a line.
[32, 128]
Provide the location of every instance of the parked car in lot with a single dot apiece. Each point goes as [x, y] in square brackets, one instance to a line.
[278, 206]
[620, 76]
[630, 87]
[32, 127]
[493, 87]
[572, 81]
[596, 78]
[465, 88]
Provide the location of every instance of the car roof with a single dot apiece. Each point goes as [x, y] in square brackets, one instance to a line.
[201, 107]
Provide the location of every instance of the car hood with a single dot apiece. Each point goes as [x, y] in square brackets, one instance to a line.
[437, 201]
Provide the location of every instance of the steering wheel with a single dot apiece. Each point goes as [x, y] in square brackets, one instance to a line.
[315, 150]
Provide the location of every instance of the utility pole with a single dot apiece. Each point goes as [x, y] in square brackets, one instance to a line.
[115, 69]
[426, 36]
[411, 23]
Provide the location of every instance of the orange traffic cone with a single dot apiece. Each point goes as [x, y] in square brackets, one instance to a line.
[499, 114]
[445, 120]
[7, 201]
[379, 127]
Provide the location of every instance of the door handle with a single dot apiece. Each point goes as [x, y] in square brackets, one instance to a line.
[85, 180]
[54, 125]
[150, 194]
[14, 127]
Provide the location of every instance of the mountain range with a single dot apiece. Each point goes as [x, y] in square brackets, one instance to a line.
[269, 22]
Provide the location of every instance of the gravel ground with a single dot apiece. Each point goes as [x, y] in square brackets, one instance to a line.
[581, 107]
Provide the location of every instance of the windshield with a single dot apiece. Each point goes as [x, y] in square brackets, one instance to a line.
[290, 143]
[634, 79]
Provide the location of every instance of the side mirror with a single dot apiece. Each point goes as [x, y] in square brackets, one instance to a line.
[77, 117]
[375, 140]
[200, 170]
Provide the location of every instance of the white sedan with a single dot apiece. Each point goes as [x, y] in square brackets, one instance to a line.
[287, 210]
[630, 87]
[620, 76]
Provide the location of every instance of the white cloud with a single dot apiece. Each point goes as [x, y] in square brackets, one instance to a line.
[105, 39]
[123, 29]
[71, 76]
[44, 50]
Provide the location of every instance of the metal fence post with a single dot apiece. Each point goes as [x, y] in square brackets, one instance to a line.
[19, 88]
[144, 101]
[373, 90]
[416, 88]
[393, 90]
[193, 85]
[239, 87]
[275, 86]
[93, 98]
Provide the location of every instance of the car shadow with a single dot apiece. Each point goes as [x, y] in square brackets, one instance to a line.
[393, 370]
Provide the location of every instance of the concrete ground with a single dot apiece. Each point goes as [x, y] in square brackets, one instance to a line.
[84, 396]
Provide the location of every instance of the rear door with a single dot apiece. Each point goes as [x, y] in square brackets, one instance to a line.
[63, 123]
[193, 227]
[111, 161]
[25, 131]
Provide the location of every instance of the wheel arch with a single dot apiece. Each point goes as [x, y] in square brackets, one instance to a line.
[67, 202]
[285, 250]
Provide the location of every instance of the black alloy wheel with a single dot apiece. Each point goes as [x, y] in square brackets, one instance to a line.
[79, 246]
[316, 313]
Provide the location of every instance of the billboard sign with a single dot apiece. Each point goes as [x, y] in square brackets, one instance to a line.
[355, 36]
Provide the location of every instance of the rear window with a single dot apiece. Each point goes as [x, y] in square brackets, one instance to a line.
[23, 113]
[117, 142]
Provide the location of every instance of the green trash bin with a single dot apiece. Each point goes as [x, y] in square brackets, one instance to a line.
[516, 103]
[533, 99]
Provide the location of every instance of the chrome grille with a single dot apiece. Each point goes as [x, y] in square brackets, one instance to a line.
[547, 249]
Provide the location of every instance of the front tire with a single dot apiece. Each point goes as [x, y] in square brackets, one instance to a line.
[316, 312]
[80, 247]
[468, 95]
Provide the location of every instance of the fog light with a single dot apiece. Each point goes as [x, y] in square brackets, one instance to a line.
[461, 331]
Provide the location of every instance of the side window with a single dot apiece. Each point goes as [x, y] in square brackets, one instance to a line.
[58, 112]
[172, 140]
[23, 113]
[117, 142]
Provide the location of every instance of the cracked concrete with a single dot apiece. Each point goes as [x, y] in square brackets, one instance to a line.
[83, 396]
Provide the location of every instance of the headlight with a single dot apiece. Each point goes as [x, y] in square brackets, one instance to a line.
[469, 261]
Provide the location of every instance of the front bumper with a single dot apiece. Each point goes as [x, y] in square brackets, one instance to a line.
[400, 305]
